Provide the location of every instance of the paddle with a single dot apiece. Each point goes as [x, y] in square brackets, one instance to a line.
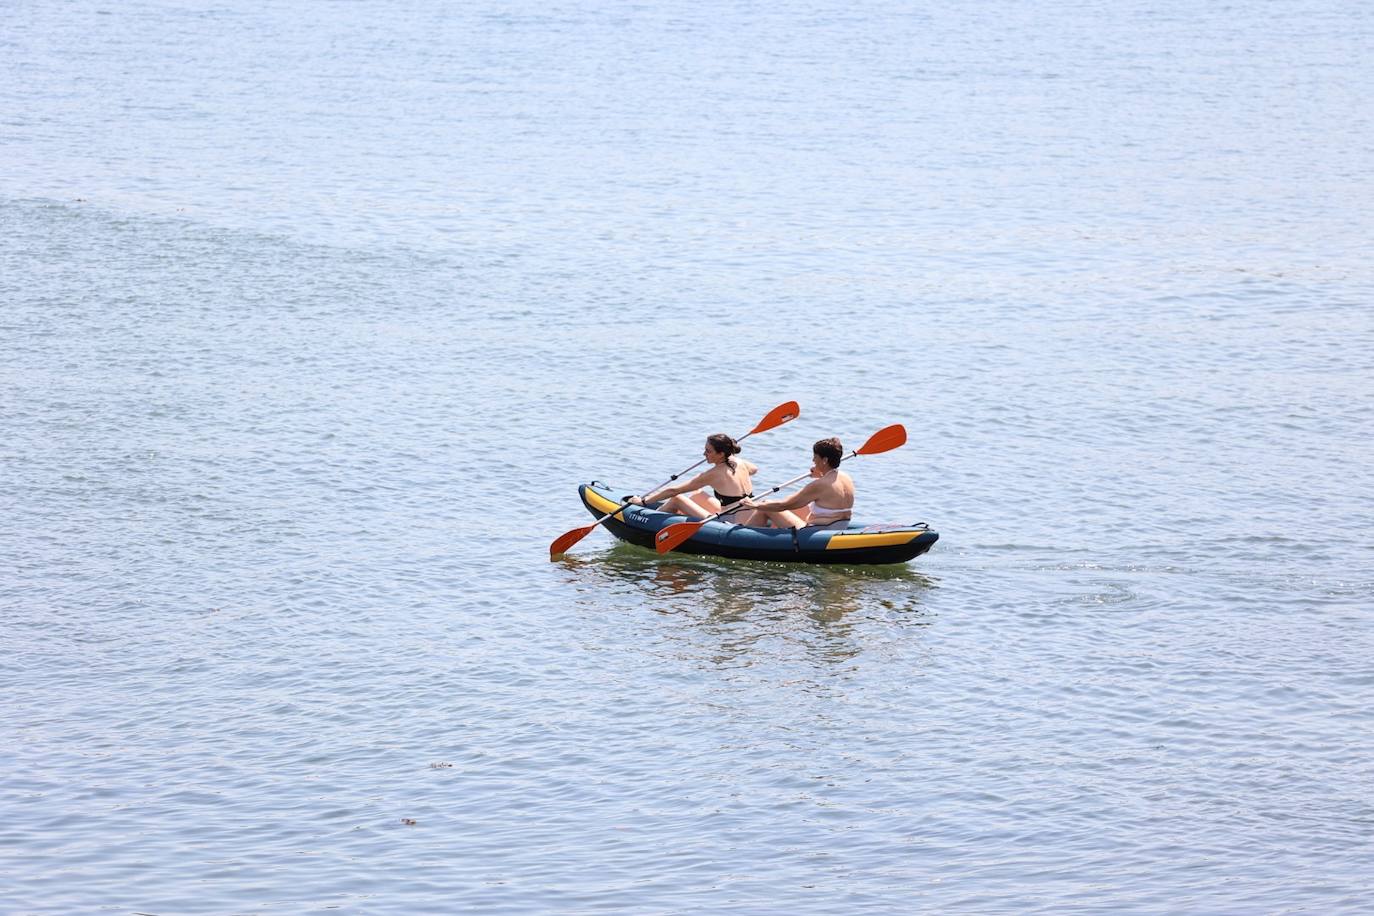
[884, 440]
[783, 413]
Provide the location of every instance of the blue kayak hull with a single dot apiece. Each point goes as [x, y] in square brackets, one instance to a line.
[857, 545]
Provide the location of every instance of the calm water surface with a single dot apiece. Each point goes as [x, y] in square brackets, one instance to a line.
[312, 316]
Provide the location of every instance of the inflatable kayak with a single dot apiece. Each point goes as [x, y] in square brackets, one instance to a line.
[859, 544]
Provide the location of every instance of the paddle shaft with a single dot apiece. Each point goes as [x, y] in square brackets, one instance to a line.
[884, 440]
[665, 483]
[738, 506]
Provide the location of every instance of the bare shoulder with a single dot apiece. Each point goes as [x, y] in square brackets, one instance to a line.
[844, 486]
[716, 474]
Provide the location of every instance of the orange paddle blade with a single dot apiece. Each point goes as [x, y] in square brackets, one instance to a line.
[884, 440]
[566, 540]
[673, 535]
[779, 415]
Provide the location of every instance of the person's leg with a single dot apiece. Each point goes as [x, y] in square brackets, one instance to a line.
[751, 517]
[683, 505]
[706, 501]
[785, 519]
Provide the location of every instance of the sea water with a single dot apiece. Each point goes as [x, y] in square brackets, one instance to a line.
[314, 314]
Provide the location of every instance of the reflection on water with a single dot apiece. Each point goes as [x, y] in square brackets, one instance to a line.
[743, 603]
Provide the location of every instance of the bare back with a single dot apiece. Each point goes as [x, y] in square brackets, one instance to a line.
[737, 482]
[835, 490]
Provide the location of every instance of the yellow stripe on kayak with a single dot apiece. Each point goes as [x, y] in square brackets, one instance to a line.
[602, 504]
[850, 541]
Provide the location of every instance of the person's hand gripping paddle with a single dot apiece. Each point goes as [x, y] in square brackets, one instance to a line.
[884, 440]
[783, 413]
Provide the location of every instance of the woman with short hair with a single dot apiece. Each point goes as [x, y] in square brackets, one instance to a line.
[826, 502]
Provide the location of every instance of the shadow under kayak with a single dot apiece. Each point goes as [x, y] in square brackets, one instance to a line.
[857, 545]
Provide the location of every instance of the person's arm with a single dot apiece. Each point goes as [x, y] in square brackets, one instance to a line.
[696, 483]
[750, 467]
[802, 497]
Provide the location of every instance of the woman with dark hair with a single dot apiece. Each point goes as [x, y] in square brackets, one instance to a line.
[731, 480]
[826, 502]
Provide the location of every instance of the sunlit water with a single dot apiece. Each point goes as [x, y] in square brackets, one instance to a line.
[313, 315]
